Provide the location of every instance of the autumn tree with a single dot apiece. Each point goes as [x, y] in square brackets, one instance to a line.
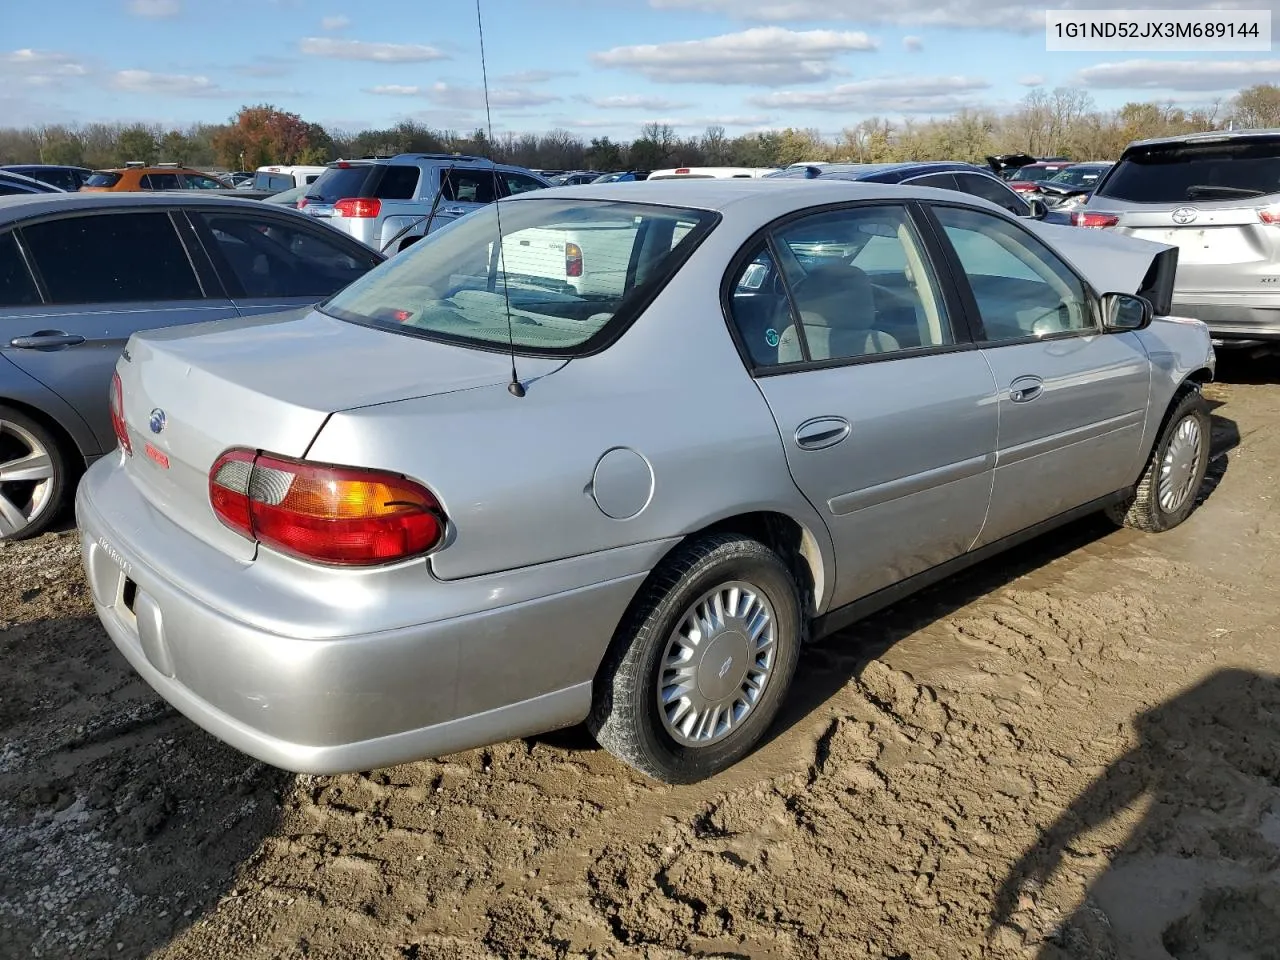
[262, 135]
[1258, 106]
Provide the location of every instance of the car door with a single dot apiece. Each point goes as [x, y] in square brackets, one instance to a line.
[101, 277]
[1073, 399]
[891, 436]
[271, 263]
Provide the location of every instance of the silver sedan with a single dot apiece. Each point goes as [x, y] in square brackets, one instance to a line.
[616, 462]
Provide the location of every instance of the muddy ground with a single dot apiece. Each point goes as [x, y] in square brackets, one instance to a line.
[1072, 752]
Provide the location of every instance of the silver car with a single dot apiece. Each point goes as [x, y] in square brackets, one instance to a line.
[81, 272]
[464, 500]
[1215, 196]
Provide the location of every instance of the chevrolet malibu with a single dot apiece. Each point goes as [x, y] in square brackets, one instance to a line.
[472, 497]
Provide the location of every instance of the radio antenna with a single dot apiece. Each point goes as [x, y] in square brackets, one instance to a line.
[515, 387]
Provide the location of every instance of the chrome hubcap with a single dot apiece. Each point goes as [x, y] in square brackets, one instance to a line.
[26, 478]
[1178, 470]
[716, 664]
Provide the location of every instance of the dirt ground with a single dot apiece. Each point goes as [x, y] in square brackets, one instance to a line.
[1073, 752]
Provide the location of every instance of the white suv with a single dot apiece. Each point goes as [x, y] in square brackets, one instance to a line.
[386, 203]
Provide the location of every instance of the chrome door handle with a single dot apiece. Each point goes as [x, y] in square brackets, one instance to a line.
[1025, 389]
[46, 340]
[818, 433]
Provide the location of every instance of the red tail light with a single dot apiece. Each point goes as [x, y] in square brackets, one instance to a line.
[1088, 218]
[330, 514]
[1270, 214]
[572, 260]
[117, 415]
[682, 170]
[302, 202]
[359, 208]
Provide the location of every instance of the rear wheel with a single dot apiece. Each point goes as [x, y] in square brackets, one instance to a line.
[699, 669]
[33, 476]
[1166, 494]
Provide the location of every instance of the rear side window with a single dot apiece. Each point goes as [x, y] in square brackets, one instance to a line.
[17, 288]
[12, 189]
[273, 259]
[570, 271]
[940, 181]
[112, 258]
[161, 181]
[1174, 172]
[102, 180]
[467, 186]
[519, 183]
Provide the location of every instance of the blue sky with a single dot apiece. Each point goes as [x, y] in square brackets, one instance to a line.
[592, 66]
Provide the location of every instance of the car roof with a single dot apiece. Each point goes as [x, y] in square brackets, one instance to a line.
[772, 197]
[1211, 136]
[25, 206]
[902, 169]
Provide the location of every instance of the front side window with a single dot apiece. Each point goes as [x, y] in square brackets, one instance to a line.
[1021, 287]
[272, 259]
[198, 181]
[112, 258]
[17, 288]
[988, 188]
[859, 285]
[569, 269]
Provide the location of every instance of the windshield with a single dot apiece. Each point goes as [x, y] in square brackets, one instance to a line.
[1078, 176]
[571, 269]
[1035, 174]
[1174, 172]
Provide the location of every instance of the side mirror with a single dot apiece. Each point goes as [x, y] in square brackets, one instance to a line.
[1124, 311]
[1039, 209]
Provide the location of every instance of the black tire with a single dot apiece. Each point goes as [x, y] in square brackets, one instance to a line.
[1144, 510]
[54, 501]
[625, 717]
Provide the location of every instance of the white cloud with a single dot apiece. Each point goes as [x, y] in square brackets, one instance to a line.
[535, 76]
[883, 94]
[335, 23]
[42, 62]
[155, 9]
[766, 56]
[334, 49]
[1191, 75]
[1031, 80]
[1019, 16]
[634, 101]
[730, 120]
[396, 90]
[912, 44]
[467, 98]
[165, 84]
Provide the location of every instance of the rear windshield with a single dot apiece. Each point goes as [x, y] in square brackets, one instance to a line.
[1174, 172]
[102, 180]
[386, 181]
[574, 271]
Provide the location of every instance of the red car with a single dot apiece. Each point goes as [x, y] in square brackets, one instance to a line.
[1028, 178]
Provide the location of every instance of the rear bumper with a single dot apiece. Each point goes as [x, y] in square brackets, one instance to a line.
[1233, 317]
[468, 674]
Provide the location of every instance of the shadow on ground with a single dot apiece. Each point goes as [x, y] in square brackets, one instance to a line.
[110, 800]
[1199, 877]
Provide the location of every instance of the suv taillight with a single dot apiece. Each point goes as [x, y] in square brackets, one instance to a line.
[1089, 218]
[359, 208]
[1270, 214]
[346, 516]
[117, 414]
[572, 260]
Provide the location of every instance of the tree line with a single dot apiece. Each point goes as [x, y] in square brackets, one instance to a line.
[1062, 122]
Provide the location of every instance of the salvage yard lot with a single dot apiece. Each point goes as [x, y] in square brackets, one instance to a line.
[1068, 752]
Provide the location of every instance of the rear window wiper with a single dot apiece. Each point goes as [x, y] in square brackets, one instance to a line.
[1208, 191]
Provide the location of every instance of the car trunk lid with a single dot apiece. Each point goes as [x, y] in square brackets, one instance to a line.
[269, 383]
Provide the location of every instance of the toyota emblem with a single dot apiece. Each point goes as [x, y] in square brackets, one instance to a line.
[1185, 214]
[157, 420]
